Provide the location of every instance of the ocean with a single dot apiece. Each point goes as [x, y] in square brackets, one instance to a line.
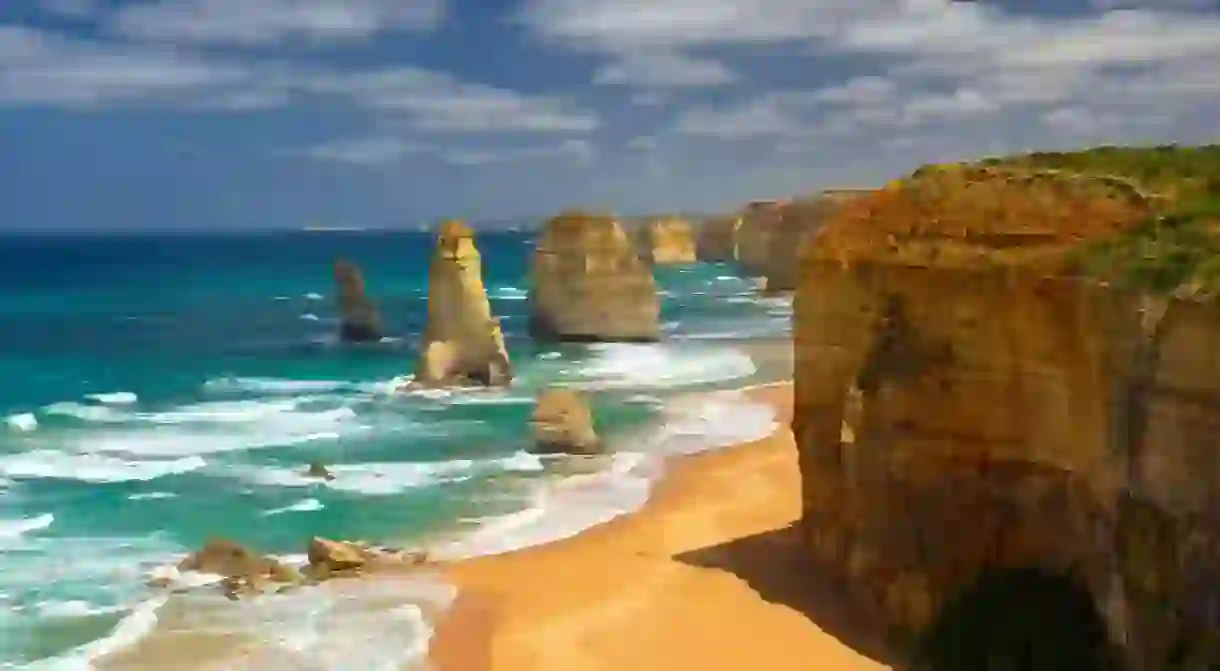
[160, 389]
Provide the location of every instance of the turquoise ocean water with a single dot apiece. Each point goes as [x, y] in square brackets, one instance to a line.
[156, 390]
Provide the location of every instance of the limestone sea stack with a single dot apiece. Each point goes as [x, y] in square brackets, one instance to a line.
[799, 220]
[759, 221]
[359, 320]
[716, 238]
[563, 424]
[589, 285]
[462, 342]
[959, 370]
[666, 240]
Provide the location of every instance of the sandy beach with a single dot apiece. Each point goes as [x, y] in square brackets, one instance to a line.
[706, 576]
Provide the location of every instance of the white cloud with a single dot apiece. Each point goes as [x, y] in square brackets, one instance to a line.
[37, 68]
[365, 150]
[72, 9]
[580, 152]
[269, 22]
[664, 69]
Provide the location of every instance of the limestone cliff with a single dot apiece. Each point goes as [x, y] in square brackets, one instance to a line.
[759, 221]
[666, 240]
[588, 284]
[716, 238]
[967, 407]
[462, 342]
[798, 220]
[359, 320]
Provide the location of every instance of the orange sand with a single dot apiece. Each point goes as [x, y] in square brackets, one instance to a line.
[708, 576]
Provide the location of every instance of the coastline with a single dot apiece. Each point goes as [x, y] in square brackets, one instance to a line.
[703, 576]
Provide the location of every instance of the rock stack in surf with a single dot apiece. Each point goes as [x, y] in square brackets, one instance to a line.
[359, 320]
[462, 343]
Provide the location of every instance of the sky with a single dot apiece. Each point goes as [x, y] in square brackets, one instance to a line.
[248, 114]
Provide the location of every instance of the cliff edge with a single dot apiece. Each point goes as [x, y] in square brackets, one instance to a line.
[1005, 398]
[462, 342]
[588, 283]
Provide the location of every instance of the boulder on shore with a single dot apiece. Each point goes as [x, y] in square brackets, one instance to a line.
[462, 342]
[589, 284]
[359, 320]
[563, 424]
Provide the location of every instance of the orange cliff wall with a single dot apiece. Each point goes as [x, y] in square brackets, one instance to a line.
[799, 220]
[963, 405]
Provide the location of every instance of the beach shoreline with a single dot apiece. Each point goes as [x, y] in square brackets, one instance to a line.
[688, 580]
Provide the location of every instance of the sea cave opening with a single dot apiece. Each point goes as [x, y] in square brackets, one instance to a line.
[1023, 619]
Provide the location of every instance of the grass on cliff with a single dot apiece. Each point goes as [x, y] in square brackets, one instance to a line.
[1176, 251]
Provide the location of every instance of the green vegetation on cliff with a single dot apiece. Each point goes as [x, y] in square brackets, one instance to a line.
[1176, 251]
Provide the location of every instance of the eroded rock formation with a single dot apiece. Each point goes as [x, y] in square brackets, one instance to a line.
[563, 423]
[588, 284]
[666, 240]
[716, 238]
[798, 220]
[359, 320]
[965, 408]
[759, 222]
[244, 571]
[462, 342]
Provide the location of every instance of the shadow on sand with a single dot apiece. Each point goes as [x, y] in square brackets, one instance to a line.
[776, 566]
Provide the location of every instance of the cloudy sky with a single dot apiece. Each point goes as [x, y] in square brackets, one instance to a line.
[126, 114]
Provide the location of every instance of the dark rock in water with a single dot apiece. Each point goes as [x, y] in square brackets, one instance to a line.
[317, 470]
[359, 320]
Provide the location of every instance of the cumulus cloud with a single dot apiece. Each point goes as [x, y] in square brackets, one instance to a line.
[270, 22]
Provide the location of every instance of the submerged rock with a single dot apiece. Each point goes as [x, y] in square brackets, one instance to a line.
[359, 320]
[319, 471]
[462, 343]
[589, 284]
[563, 424]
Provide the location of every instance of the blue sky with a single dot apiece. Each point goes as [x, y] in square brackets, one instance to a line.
[243, 114]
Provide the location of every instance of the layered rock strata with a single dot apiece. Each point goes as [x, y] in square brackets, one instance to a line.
[799, 220]
[462, 343]
[966, 409]
[588, 284]
[666, 240]
[359, 320]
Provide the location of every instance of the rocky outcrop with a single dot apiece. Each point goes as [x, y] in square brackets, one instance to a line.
[799, 220]
[716, 238]
[244, 571]
[666, 240]
[318, 471]
[968, 411]
[563, 423]
[359, 320]
[463, 343]
[588, 283]
[759, 221]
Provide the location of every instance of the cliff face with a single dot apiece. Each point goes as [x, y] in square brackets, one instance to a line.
[462, 342]
[759, 221]
[359, 320]
[964, 410]
[588, 284]
[716, 239]
[666, 240]
[798, 221]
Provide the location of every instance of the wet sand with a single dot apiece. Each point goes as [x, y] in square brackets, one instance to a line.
[709, 575]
